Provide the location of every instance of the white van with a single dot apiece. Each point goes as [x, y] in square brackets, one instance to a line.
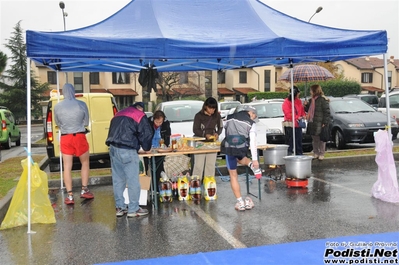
[102, 109]
[393, 104]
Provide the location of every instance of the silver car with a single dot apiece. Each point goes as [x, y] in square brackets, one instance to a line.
[180, 114]
[226, 106]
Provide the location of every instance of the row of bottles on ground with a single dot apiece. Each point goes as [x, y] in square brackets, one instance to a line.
[184, 188]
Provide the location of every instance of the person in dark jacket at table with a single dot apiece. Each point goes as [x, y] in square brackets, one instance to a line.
[209, 125]
[161, 135]
[129, 130]
[318, 117]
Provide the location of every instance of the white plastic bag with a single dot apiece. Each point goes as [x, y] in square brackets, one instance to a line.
[386, 186]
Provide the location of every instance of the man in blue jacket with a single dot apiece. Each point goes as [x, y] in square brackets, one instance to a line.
[129, 130]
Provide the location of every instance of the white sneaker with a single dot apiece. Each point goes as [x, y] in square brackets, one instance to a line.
[249, 204]
[240, 206]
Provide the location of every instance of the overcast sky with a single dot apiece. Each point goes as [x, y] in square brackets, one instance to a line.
[350, 14]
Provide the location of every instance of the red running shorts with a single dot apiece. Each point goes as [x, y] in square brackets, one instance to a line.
[74, 144]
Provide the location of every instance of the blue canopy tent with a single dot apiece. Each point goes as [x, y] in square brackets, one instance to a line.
[189, 35]
[183, 35]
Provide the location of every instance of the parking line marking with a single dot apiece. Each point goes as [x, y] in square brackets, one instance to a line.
[343, 187]
[218, 229]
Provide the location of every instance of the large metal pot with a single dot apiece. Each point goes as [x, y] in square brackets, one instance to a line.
[275, 155]
[298, 166]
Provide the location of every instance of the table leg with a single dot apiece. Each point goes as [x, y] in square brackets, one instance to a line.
[154, 183]
[247, 181]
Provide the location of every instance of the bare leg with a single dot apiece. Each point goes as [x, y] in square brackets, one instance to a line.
[68, 160]
[85, 170]
[245, 161]
[234, 183]
[235, 186]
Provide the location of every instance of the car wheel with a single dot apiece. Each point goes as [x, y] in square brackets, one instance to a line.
[18, 142]
[54, 167]
[7, 145]
[339, 140]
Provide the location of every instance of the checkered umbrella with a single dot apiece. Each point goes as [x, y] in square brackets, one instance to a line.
[306, 72]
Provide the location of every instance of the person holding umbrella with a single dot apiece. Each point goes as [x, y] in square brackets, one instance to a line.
[290, 122]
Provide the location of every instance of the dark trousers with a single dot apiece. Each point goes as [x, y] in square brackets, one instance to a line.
[158, 165]
[289, 140]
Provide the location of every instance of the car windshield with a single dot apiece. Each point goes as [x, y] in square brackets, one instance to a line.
[182, 111]
[229, 105]
[350, 106]
[267, 110]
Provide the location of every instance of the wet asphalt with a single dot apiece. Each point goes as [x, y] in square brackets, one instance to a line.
[336, 202]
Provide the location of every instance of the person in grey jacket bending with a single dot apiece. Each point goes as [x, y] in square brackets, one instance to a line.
[72, 117]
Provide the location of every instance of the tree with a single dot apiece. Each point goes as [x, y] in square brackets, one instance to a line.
[15, 87]
[172, 88]
[3, 62]
[166, 81]
[330, 66]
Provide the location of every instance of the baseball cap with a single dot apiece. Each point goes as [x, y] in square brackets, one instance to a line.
[140, 104]
[253, 109]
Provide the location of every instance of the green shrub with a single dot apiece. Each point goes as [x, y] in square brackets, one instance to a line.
[333, 87]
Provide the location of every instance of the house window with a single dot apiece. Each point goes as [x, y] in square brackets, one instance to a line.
[78, 82]
[120, 78]
[52, 77]
[243, 77]
[221, 77]
[95, 78]
[389, 79]
[267, 80]
[124, 101]
[367, 77]
[183, 78]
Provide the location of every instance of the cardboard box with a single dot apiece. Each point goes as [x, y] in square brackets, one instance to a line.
[142, 200]
[145, 183]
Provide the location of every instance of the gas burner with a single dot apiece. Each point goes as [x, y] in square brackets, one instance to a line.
[275, 172]
[297, 183]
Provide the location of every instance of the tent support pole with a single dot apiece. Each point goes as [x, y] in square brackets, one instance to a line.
[28, 140]
[59, 133]
[387, 95]
[293, 109]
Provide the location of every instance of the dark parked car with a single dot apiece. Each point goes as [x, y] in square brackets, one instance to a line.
[368, 98]
[354, 121]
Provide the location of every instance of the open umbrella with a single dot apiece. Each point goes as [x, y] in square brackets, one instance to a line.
[305, 73]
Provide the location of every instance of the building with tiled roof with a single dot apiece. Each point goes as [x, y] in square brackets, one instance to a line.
[223, 85]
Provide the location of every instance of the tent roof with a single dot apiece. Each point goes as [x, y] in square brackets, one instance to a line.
[188, 35]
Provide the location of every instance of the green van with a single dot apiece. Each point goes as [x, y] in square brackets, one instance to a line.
[9, 130]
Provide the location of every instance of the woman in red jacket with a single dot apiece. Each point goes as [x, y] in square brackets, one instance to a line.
[299, 113]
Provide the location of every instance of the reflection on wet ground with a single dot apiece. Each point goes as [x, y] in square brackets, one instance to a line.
[336, 202]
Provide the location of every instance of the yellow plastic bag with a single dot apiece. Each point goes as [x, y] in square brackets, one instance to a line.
[41, 209]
